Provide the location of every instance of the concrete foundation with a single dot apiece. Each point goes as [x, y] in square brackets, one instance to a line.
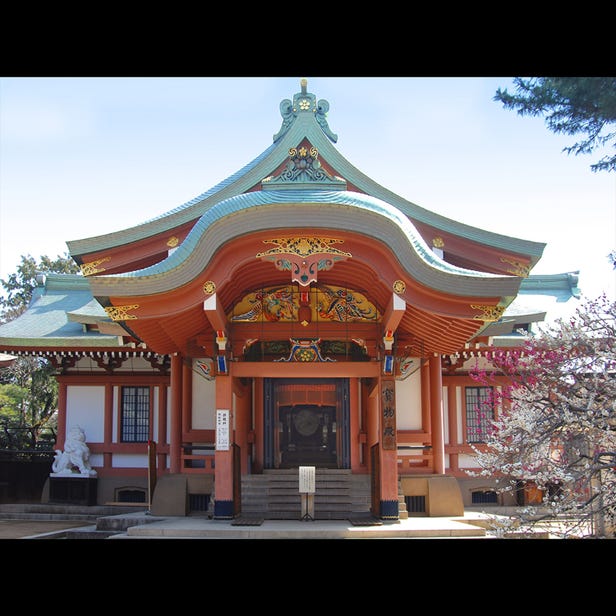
[442, 494]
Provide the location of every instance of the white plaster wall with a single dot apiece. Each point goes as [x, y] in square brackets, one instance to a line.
[96, 460]
[203, 401]
[85, 407]
[408, 402]
[126, 460]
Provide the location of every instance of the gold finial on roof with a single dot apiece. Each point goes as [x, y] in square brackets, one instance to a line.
[304, 84]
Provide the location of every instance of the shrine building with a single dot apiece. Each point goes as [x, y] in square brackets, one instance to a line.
[296, 317]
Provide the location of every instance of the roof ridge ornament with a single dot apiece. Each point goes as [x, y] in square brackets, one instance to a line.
[303, 168]
[304, 102]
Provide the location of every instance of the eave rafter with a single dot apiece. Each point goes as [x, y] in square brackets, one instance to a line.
[215, 313]
[167, 320]
[393, 315]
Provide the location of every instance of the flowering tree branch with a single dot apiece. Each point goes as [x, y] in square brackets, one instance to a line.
[557, 421]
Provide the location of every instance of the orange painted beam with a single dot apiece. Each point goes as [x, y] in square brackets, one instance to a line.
[305, 369]
[215, 313]
[393, 313]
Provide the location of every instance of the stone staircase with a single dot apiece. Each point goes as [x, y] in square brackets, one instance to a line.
[274, 495]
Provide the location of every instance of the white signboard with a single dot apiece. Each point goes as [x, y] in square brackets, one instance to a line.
[222, 430]
[307, 479]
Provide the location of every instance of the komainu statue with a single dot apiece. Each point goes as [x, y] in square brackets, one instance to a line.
[76, 455]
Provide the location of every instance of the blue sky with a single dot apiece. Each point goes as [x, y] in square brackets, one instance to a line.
[86, 156]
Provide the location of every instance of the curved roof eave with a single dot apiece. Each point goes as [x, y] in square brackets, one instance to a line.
[239, 182]
[257, 211]
[304, 126]
[414, 211]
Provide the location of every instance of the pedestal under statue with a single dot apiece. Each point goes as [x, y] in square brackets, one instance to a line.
[73, 480]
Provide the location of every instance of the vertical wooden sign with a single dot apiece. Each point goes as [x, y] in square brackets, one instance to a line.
[388, 413]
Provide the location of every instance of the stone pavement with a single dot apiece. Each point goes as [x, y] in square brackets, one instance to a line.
[203, 528]
[48, 521]
[142, 525]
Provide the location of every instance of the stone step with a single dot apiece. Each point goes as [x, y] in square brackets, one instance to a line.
[49, 511]
[275, 494]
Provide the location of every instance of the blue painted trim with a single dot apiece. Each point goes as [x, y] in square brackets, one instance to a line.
[223, 509]
[389, 509]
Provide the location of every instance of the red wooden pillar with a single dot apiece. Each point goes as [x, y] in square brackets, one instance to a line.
[175, 444]
[161, 436]
[257, 463]
[354, 405]
[426, 424]
[388, 446]
[452, 412]
[436, 414]
[186, 396]
[223, 458]
[243, 417]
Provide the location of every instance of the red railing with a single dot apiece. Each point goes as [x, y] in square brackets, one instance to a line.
[198, 459]
[415, 459]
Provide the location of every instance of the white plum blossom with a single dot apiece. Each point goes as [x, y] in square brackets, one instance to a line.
[556, 421]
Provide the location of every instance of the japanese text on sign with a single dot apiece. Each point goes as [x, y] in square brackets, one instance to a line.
[388, 421]
[307, 479]
[222, 430]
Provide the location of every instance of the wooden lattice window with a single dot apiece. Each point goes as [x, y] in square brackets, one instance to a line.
[479, 413]
[135, 415]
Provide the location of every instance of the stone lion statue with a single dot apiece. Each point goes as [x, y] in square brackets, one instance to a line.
[76, 455]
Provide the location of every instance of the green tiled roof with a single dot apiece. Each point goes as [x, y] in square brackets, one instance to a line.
[305, 118]
[542, 298]
[46, 322]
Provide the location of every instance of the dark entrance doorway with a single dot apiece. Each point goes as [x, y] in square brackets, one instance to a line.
[306, 423]
[307, 436]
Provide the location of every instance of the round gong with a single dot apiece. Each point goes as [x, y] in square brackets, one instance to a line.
[306, 422]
